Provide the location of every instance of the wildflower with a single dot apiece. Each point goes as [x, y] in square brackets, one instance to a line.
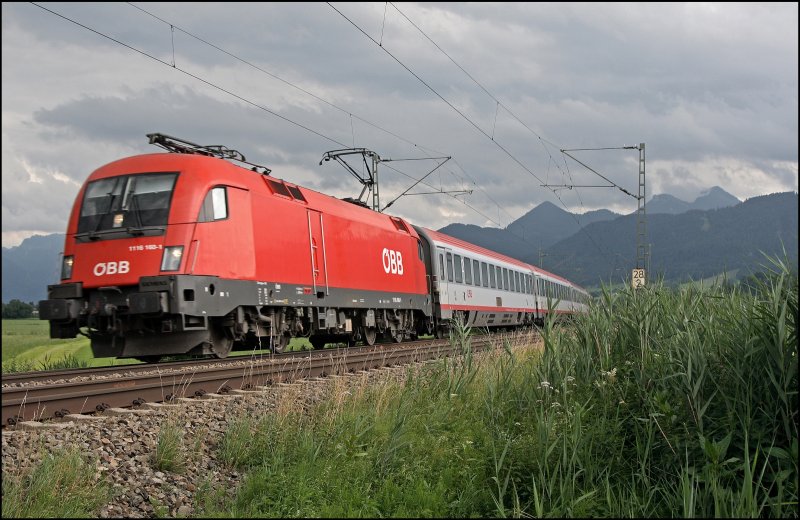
[545, 385]
[570, 379]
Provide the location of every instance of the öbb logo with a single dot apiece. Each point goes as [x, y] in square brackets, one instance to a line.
[392, 261]
[103, 268]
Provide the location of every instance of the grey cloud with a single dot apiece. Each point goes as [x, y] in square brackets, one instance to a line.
[695, 86]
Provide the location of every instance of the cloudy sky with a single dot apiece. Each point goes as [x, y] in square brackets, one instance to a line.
[711, 89]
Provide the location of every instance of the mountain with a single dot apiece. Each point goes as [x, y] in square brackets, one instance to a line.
[31, 266]
[689, 246]
[600, 246]
[495, 239]
[713, 198]
[666, 203]
[541, 227]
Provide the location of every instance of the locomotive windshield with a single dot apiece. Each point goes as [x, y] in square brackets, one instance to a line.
[128, 203]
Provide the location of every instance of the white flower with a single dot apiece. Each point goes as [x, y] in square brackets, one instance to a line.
[545, 384]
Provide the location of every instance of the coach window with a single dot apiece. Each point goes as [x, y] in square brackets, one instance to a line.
[511, 286]
[449, 267]
[459, 273]
[476, 269]
[215, 206]
[485, 275]
[516, 280]
[467, 271]
[505, 279]
[492, 283]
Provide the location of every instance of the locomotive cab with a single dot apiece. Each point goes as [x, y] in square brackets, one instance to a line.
[130, 271]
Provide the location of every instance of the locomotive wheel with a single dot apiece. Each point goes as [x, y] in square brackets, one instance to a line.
[221, 344]
[370, 335]
[280, 343]
[318, 342]
[397, 336]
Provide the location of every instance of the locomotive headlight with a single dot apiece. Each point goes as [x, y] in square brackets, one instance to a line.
[171, 261]
[66, 267]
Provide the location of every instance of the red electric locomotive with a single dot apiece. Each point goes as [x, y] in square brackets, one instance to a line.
[175, 253]
[188, 253]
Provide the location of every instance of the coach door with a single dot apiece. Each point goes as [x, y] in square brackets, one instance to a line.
[442, 255]
[318, 262]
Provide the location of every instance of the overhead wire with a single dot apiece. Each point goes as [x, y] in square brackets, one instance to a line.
[241, 98]
[459, 112]
[305, 127]
[318, 98]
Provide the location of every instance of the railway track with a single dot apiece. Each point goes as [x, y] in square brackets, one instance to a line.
[95, 390]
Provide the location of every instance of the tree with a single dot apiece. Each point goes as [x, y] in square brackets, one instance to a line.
[16, 309]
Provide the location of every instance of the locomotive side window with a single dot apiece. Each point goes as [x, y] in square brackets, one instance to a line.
[459, 273]
[215, 205]
[296, 193]
[419, 249]
[278, 187]
[485, 275]
[476, 268]
[449, 267]
[441, 267]
[467, 271]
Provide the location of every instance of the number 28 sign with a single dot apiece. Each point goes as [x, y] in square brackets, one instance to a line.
[637, 278]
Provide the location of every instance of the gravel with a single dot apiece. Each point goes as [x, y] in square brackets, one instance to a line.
[121, 447]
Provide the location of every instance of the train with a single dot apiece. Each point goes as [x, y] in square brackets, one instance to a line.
[197, 251]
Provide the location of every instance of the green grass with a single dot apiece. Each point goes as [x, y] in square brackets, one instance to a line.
[27, 346]
[659, 402]
[62, 485]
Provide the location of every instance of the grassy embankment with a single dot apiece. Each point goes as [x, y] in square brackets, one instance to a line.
[659, 402]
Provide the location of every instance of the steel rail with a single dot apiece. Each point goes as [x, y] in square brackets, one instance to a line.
[56, 400]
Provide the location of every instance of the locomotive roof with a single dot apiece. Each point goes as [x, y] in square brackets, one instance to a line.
[212, 170]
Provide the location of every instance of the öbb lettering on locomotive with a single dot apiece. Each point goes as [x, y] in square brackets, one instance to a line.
[189, 253]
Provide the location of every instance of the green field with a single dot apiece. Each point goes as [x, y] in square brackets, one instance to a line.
[27, 346]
